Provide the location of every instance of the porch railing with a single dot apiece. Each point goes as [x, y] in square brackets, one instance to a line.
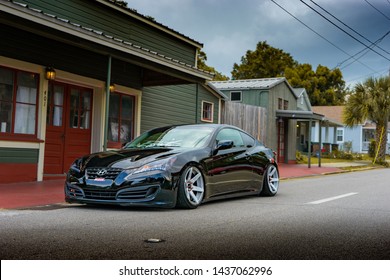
[367, 144]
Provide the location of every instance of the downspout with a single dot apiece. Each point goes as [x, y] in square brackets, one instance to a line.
[196, 103]
[108, 83]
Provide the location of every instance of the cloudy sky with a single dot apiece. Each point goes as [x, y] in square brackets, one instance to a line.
[228, 28]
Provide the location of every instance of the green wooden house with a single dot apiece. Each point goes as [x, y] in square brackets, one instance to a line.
[81, 76]
[278, 97]
[289, 114]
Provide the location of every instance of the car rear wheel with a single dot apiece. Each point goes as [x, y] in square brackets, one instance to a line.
[271, 181]
[191, 188]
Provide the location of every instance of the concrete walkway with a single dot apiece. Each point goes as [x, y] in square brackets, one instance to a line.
[23, 195]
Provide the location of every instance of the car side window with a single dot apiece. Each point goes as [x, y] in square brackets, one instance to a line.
[231, 134]
[248, 140]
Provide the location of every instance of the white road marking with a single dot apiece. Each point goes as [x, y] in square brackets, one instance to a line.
[332, 198]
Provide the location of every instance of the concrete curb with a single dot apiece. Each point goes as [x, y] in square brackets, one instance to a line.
[342, 171]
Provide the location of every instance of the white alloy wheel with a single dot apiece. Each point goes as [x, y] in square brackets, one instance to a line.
[271, 181]
[191, 191]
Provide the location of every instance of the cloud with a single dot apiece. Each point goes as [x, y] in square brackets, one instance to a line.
[228, 28]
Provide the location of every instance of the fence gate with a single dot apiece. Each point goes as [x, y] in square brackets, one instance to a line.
[252, 119]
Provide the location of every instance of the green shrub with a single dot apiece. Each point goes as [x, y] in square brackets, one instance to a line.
[299, 157]
[358, 156]
[348, 146]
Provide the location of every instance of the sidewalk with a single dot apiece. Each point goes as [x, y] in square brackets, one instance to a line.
[23, 195]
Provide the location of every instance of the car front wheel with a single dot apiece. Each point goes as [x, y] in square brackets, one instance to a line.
[191, 188]
[270, 181]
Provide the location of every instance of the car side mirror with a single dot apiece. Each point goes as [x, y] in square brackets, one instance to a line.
[223, 145]
[124, 145]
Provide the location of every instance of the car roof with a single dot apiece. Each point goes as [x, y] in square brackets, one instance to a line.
[213, 125]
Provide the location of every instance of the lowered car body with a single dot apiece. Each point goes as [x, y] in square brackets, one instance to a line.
[180, 166]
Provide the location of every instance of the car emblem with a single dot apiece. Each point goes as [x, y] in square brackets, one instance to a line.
[102, 172]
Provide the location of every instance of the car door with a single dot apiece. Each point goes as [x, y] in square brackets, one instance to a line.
[230, 169]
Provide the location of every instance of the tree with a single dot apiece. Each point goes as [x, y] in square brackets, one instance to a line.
[202, 58]
[324, 86]
[371, 101]
[264, 62]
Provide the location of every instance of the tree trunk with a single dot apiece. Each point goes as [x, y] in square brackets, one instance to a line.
[381, 142]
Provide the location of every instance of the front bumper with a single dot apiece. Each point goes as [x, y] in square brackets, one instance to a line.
[152, 190]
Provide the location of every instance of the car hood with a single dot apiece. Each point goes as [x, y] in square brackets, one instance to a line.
[128, 158]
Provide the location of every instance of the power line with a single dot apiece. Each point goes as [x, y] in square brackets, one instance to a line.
[378, 9]
[374, 44]
[344, 31]
[311, 29]
[365, 49]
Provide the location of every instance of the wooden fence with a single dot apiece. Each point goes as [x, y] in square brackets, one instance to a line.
[252, 119]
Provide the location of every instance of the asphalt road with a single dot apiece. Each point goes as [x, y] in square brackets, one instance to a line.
[344, 216]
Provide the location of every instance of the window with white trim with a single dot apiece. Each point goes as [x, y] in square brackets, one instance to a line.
[340, 135]
[207, 111]
[120, 119]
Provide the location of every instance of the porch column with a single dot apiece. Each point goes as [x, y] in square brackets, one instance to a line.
[108, 83]
[309, 145]
[320, 143]
[327, 132]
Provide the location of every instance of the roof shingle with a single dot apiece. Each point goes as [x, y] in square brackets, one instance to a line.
[334, 113]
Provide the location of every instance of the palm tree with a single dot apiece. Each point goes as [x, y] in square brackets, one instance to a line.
[371, 101]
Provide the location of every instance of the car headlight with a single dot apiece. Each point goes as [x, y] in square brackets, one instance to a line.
[159, 165]
[76, 166]
[74, 173]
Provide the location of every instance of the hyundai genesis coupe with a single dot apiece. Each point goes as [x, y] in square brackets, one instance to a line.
[176, 166]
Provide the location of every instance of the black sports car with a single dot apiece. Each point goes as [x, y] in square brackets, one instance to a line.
[181, 166]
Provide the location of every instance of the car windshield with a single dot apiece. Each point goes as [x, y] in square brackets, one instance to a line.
[180, 136]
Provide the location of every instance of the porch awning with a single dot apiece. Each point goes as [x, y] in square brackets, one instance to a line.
[159, 68]
[306, 115]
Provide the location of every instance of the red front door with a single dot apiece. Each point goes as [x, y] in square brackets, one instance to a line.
[68, 126]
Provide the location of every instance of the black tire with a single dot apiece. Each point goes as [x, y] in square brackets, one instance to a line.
[191, 188]
[270, 181]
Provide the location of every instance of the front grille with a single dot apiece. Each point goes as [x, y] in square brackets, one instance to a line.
[138, 192]
[134, 193]
[100, 194]
[100, 172]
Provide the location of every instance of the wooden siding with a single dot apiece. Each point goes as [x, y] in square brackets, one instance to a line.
[252, 119]
[166, 105]
[92, 14]
[18, 155]
[205, 95]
